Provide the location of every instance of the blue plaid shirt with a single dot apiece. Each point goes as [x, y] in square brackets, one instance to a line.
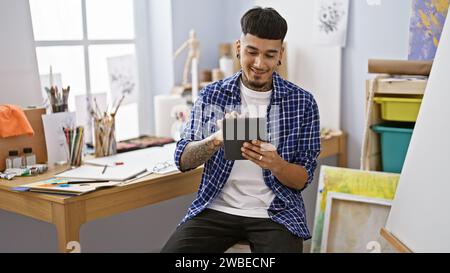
[292, 126]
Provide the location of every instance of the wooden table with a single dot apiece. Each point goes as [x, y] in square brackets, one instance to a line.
[335, 146]
[69, 213]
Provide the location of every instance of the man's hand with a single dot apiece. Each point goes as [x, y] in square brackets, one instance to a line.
[216, 140]
[197, 153]
[264, 155]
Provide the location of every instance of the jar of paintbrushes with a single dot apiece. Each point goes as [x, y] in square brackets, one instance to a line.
[58, 99]
[104, 130]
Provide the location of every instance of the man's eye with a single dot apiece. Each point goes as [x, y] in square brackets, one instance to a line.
[253, 53]
[270, 56]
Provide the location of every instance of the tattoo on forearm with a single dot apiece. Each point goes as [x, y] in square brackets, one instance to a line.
[197, 153]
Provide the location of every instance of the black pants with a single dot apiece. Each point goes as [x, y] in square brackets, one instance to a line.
[215, 231]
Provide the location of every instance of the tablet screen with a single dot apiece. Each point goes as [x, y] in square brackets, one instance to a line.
[236, 131]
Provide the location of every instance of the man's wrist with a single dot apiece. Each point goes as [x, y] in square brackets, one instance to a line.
[280, 168]
[213, 143]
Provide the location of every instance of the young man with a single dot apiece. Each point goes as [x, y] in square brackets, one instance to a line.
[259, 199]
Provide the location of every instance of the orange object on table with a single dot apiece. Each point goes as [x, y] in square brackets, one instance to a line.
[13, 122]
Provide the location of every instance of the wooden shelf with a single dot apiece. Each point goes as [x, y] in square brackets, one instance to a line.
[405, 85]
[382, 86]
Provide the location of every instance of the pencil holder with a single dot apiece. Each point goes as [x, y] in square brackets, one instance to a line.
[75, 144]
[105, 136]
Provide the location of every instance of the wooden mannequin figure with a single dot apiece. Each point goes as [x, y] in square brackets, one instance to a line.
[194, 52]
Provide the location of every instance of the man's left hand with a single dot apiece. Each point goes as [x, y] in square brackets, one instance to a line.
[264, 155]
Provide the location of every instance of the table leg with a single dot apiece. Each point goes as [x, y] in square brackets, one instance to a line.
[342, 156]
[68, 219]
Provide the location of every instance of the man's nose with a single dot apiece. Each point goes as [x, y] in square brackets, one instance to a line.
[257, 62]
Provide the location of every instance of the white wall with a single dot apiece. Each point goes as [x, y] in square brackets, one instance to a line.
[154, 49]
[161, 46]
[314, 68]
[232, 11]
[215, 22]
[19, 78]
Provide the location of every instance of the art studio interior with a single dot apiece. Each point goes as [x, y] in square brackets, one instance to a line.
[123, 122]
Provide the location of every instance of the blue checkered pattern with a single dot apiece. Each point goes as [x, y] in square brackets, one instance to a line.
[293, 127]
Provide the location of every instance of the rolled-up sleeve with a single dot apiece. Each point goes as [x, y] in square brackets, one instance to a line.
[181, 144]
[309, 141]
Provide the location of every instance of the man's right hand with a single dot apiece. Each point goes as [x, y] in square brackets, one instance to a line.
[197, 153]
[216, 139]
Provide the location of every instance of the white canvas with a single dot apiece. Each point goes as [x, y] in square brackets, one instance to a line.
[352, 222]
[419, 216]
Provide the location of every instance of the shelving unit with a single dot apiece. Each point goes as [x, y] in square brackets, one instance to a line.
[386, 85]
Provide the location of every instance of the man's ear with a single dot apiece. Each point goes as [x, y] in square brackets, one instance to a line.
[237, 45]
[281, 52]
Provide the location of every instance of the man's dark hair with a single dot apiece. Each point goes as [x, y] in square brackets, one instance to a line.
[264, 23]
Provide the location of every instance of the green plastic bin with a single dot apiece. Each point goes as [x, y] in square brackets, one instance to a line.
[394, 139]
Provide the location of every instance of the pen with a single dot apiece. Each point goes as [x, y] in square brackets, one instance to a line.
[87, 182]
[104, 169]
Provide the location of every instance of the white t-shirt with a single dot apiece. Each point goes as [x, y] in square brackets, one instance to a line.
[245, 193]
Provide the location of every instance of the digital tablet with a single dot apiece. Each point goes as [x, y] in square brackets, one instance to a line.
[236, 131]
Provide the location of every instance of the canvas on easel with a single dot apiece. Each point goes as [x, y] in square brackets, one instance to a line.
[419, 214]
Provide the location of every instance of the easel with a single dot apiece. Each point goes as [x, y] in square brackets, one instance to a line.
[394, 241]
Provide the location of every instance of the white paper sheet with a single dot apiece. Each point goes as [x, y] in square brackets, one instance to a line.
[330, 22]
[116, 173]
[145, 158]
[57, 149]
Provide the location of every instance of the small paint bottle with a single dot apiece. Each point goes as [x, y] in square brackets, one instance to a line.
[28, 157]
[13, 161]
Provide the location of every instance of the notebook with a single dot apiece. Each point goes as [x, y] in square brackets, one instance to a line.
[63, 186]
[236, 131]
[112, 173]
[145, 158]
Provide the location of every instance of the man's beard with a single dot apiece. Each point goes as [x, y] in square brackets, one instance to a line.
[257, 86]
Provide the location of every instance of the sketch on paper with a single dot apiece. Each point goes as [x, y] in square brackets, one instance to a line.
[363, 183]
[123, 78]
[330, 26]
[427, 22]
[55, 140]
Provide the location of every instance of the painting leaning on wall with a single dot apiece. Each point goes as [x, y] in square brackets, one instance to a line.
[427, 21]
